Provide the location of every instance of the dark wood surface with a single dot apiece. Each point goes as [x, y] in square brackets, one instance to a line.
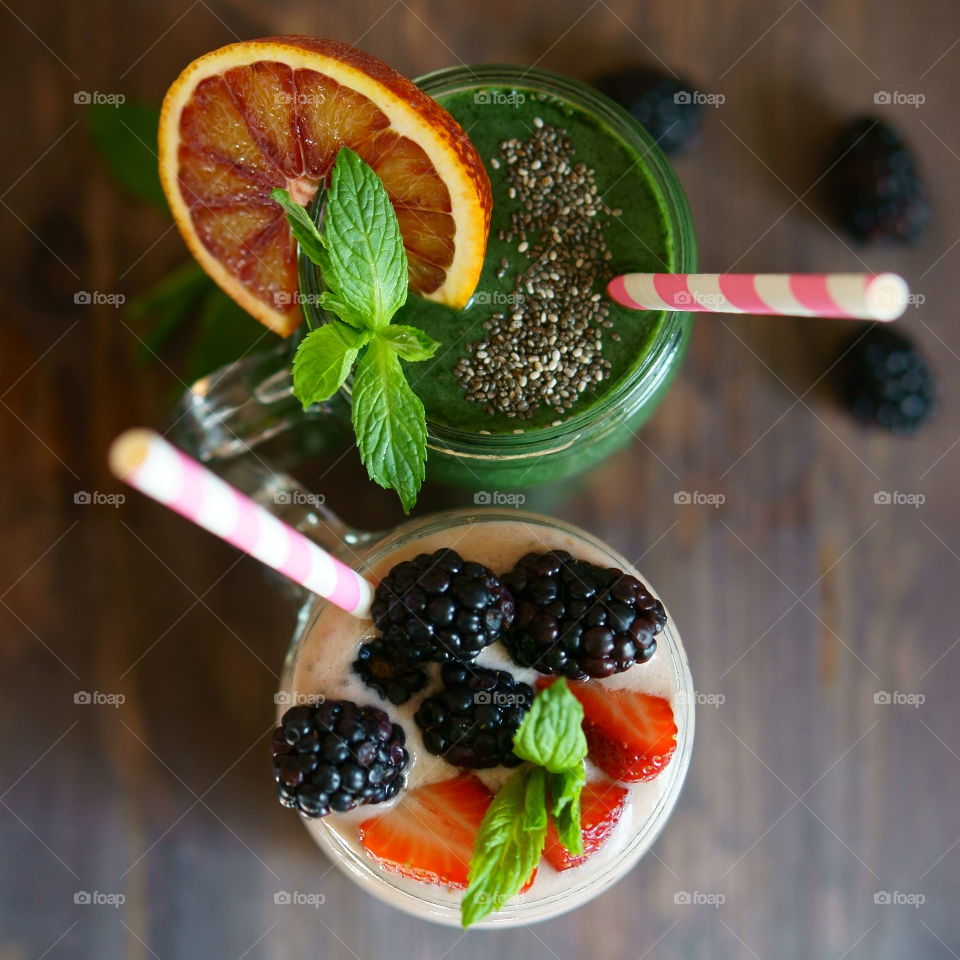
[799, 598]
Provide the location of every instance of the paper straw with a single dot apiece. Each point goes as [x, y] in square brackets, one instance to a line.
[155, 467]
[854, 296]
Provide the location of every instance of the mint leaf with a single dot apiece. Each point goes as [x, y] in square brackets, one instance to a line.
[363, 265]
[323, 361]
[126, 138]
[410, 343]
[302, 227]
[367, 267]
[565, 789]
[551, 734]
[508, 844]
[389, 422]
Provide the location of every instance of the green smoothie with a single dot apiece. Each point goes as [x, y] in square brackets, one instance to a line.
[633, 229]
[541, 375]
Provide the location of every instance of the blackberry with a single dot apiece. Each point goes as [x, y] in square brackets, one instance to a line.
[661, 103]
[336, 756]
[440, 607]
[580, 620]
[393, 677]
[472, 721]
[874, 185]
[883, 379]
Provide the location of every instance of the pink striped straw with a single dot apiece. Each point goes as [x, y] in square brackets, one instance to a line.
[854, 296]
[155, 467]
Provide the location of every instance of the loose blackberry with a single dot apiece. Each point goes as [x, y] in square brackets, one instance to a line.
[440, 607]
[883, 379]
[472, 721]
[874, 185]
[336, 756]
[661, 103]
[393, 677]
[580, 620]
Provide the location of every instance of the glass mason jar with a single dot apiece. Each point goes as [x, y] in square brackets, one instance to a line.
[250, 401]
[368, 552]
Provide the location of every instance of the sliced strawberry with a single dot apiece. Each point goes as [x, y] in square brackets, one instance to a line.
[631, 736]
[429, 834]
[600, 807]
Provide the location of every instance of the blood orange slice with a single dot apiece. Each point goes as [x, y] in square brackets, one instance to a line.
[261, 114]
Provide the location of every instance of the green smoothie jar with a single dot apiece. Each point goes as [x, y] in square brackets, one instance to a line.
[469, 445]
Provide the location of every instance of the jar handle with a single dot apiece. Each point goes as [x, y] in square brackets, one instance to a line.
[225, 415]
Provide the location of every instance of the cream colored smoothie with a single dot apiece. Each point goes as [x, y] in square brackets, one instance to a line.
[319, 666]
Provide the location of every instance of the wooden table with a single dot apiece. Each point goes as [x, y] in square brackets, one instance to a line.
[800, 598]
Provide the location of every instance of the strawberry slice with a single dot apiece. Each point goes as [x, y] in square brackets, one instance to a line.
[631, 736]
[429, 834]
[601, 804]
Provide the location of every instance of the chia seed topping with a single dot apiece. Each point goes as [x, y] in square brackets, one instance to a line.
[546, 348]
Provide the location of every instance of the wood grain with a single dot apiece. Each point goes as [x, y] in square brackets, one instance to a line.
[799, 598]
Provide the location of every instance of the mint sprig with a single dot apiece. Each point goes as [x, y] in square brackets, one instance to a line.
[389, 422]
[508, 844]
[363, 264]
[319, 372]
[513, 832]
[551, 733]
[565, 789]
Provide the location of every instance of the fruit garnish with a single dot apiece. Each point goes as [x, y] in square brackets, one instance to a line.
[631, 735]
[472, 720]
[664, 104]
[392, 676]
[601, 804]
[336, 756]
[883, 379]
[514, 829]
[257, 115]
[440, 607]
[874, 184]
[577, 619]
[364, 266]
[429, 834]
